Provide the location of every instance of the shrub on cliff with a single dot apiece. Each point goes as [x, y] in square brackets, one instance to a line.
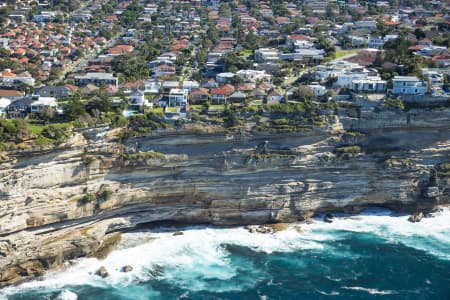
[88, 198]
[145, 155]
[443, 169]
[345, 150]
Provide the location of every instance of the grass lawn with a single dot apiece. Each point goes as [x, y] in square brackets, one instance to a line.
[246, 52]
[173, 110]
[36, 128]
[156, 110]
[256, 103]
[341, 53]
[196, 106]
[217, 107]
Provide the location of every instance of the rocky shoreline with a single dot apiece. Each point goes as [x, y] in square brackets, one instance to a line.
[74, 202]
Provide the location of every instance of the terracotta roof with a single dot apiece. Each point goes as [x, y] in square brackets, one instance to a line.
[10, 93]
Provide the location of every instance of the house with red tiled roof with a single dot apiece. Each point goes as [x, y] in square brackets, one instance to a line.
[220, 95]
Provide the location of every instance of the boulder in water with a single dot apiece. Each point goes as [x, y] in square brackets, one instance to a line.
[126, 269]
[178, 233]
[102, 272]
[417, 217]
[328, 218]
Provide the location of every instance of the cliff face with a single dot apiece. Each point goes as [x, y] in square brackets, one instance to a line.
[74, 202]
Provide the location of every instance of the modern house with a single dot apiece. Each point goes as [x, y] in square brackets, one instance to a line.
[408, 85]
[254, 75]
[4, 103]
[369, 85]
[42, 103]
[97, 79]
[59, 92]
[319, 90]
[19, 108]
[178, 97]
[224, 77]
[137, 101]
[167, 86]
[190, 85]
[264, 55]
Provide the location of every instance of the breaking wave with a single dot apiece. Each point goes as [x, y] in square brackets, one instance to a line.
[233, 260]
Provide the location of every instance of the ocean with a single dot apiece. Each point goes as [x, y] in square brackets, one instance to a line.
[374, 255]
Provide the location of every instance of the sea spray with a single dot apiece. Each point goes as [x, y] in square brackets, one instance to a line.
[340, 259]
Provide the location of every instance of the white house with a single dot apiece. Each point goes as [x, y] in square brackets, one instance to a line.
[190, 85]
[254, 75]
[408, 85]
[371, 84]
[267, 55]
[4, 103]
[137, 101]
[178, 97]
[43, 102]
[152, 87]
[319, 90]
[224, 77]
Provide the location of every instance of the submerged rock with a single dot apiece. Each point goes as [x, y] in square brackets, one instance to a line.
[417, 217]
[178, 233]
[102, 272]
[126, 269]
[328, 218]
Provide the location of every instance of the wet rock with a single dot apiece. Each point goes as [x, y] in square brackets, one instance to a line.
[278, 226]
[417, 217]
[102, 272]
[178, 233]
[251, 228]
[432, 191]
[264, 229]
[157, 271]
[262, 148]
[328, 218]
[126, 269]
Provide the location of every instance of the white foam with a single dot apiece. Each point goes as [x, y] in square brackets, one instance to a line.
[429, 235]
[67, 295]
[370, 291]
[191, 260]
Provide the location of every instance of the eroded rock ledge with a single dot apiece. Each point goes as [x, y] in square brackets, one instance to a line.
[74, 202]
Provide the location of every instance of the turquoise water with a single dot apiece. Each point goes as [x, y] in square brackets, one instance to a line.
[375, 255]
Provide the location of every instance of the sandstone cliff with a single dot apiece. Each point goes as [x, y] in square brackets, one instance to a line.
[75, 201]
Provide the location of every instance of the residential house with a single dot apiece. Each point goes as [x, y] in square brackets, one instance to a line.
[237, 97]
[274, 97]
[264, 55]
[167, 86]
[137, 101]
[199, 95]
[11, 94]
[97, 79]
[224, 77]
[408, 85]
[178, 97]
[319, 90]
[19, 108]
[152, 87]
[371, 84]
[254, 75]
[42, 103]
[4, 103]
[220, 95]
[190, 85]
[59, 92]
